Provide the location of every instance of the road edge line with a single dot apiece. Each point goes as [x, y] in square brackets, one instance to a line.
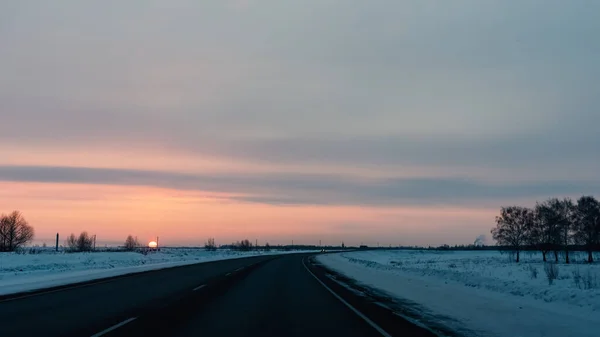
[358, 313]
[114, 327]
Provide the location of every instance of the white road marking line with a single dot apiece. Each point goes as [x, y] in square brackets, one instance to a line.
[239, 269]
[114, 327]
[360, 314]
[199, 287]
[227, 274]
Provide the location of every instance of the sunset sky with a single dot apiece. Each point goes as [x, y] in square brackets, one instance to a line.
[400, 122]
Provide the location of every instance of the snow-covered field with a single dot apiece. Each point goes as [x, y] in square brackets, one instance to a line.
[26, 272]
[482, 293]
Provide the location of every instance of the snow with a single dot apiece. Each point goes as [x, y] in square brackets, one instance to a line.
[27, 272]
[481, 293]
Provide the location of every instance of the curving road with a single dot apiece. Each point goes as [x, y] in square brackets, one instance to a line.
[260, 296]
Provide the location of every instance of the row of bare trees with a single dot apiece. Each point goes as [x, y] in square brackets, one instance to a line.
[15, 231]
[244, 245]
[82, 243]
[551, 226]
[85, 242]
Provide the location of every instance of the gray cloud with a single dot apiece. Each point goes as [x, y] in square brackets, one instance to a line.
[526, 150]
[305, 189]
[473, 84]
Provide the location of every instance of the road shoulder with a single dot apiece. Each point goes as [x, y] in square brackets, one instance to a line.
[377, 308]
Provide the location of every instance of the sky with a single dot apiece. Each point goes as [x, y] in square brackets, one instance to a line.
[400, 122]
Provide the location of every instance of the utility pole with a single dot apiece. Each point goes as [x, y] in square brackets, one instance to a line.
[256, 244]
[57, 242]
[157, 243]
[94, 242]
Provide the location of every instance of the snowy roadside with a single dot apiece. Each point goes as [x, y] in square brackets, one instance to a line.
[479, 293]
[27, 272]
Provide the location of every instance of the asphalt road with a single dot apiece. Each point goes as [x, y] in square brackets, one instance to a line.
[264, 296]
[279, 299]
[86, 310]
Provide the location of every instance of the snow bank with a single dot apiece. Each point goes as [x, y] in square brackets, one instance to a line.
[26, 272]
[482, 293]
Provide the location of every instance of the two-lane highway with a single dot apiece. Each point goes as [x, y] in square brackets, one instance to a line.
[260, 296]
[279, 298]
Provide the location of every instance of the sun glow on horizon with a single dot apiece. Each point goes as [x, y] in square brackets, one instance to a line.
[152, 244]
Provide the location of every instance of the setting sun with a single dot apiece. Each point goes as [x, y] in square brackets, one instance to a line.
[152, 244]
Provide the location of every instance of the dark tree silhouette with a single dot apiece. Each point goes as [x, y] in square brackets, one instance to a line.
[71, 242]
[587, 224]
[564, 212]
[545, 233]
[512, 227]
[558, 217]
[83, 243]
[245, 245]
[210, 245]
[15, 231]
[131, 243]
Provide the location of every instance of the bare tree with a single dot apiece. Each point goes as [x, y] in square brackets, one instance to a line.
[563, 214]
[15, 231]
[71, 242]
[587, 224]
[512, 227]
[544, 234]
[84, 242]
[556, 219]
[553, 227]
[4, 229]
[535, 236]
[131, 243]
[210, 245]
[267, 247]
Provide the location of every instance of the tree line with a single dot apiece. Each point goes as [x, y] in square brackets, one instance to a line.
[16, 232]
[552, 226]
[86, 242]
[244, 245]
